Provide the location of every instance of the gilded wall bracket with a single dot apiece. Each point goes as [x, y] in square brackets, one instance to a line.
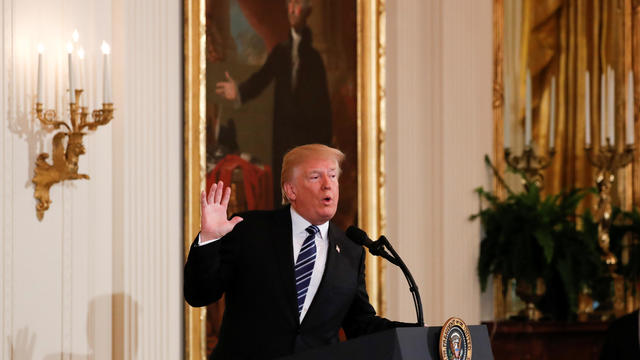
[64, 165]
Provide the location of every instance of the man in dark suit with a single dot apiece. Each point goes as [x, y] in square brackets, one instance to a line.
[291, 278]
[302, 109]
[623, 339]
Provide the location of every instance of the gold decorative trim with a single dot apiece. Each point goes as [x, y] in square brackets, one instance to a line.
[499, 308]
[371, 51]
[194, 161]
[371, 131]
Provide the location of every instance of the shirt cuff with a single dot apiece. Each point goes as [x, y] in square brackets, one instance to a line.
[202, 243]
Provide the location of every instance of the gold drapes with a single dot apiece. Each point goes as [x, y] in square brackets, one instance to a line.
[565, 39]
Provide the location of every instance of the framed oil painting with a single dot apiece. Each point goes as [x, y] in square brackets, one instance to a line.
[262, 77]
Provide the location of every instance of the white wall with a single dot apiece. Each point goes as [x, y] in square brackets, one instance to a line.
[439, 126]
[98, 275]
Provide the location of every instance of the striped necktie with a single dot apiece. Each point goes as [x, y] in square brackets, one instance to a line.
[304, 265]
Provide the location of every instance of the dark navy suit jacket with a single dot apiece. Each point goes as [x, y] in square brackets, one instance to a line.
[622, 339]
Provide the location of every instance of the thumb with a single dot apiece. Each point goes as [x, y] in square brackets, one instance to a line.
[235, 220]
[226, 73]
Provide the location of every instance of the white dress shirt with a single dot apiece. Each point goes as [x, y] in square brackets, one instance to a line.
[295, 60]
[299, 233]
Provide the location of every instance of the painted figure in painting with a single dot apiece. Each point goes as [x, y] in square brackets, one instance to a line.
[302, 109]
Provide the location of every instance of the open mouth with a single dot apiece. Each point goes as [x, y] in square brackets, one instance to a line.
[326, 200]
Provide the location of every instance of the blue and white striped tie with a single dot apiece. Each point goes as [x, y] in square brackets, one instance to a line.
[304, 265]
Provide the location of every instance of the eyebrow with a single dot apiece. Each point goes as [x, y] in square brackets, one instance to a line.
[318, 171]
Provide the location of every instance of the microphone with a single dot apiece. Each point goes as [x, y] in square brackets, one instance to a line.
[358, 236]
[377, 248]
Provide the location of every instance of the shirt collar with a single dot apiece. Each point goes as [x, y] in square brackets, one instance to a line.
[296, 38]
[300, 224]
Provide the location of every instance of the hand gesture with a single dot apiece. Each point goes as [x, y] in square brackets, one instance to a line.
[213, 208]
[227, 89]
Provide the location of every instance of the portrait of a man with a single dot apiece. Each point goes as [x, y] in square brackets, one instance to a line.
[280, 74]
[301, 106]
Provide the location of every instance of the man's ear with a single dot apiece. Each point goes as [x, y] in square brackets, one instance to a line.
[289, 190]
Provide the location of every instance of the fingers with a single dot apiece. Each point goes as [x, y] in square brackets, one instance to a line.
[218, 194]
[212, 191]
[235, 220]
[226, 196]
[226, 73]
[219, 191]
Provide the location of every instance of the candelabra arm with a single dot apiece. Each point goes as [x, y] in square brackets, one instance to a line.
[47, 118]
[529, 165]
[100, 117]
[592, 160]
[625, 158]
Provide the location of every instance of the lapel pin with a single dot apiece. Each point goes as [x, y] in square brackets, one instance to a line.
[338, 248]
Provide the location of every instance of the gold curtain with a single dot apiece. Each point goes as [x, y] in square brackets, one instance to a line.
[565, 39]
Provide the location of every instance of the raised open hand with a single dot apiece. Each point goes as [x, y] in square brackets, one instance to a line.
[213, 209]
[227, 89]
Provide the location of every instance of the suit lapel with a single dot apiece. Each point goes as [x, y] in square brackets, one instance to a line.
[283, 247]
[333, 257]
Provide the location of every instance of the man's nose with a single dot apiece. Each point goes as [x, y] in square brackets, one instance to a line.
[326, 182]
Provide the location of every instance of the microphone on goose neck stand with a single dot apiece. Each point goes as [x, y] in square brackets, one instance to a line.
[379, 248]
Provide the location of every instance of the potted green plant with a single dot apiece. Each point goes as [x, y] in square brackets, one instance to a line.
[528, 237]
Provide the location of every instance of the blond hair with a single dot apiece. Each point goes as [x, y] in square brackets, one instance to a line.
[300, 154]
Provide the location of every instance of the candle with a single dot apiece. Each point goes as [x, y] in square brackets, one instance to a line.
[40, 84]
[106, 91]
[552, 115]
[612, 100]
[603, 105]
[630, 105]
[527, 119]
[506, 130]
[72, 93]
[587, 110]
[81, 78]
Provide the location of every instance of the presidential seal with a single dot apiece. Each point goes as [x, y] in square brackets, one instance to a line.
[455, 340]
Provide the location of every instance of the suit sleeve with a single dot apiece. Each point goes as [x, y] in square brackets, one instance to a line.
[256, 83]
[361, 319]
[209, 270]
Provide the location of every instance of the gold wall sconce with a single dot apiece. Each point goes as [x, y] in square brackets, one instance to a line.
[64, 165]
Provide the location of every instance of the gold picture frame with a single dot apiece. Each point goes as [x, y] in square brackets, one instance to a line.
[371, 52]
